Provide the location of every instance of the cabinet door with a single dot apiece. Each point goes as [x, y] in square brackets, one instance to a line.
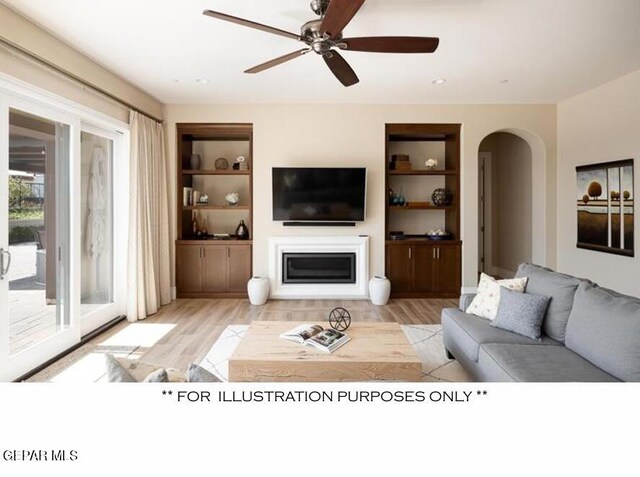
[188, 268]
[448, 268]
[239, 267]
[398, 267]
[215, 268]
[425, 276]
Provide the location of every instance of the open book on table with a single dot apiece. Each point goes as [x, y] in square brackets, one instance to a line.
[327, 340]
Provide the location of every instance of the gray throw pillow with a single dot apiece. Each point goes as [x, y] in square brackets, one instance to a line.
[197, 374]
[521, 313]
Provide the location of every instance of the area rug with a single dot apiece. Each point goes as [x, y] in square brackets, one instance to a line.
[425, 339]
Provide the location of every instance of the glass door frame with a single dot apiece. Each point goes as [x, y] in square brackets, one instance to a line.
[25, 97]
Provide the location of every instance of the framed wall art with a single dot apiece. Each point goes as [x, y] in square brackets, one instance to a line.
[605, 207]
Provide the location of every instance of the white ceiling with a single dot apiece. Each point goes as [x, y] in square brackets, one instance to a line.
[548, 50]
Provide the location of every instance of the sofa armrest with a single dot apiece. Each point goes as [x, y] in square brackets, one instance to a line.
[465, 300]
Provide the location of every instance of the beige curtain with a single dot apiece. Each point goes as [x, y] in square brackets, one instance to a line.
[149, 247]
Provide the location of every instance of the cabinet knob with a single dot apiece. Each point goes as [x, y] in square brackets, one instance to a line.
[409, 253]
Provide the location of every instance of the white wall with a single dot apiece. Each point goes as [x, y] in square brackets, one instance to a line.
[20, 31]
[341, 135]
[600, 125]
[511, 219]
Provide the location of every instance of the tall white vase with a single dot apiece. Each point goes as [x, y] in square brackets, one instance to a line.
[258, 290]
[379, 290]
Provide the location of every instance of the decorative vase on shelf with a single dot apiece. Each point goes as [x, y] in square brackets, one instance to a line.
[258, 290]
[195, 161]
[442, 197]
[379, 290]
[242, 232]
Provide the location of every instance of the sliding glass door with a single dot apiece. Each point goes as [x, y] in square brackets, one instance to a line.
[99, 300]
[36, 296]
[63, 228]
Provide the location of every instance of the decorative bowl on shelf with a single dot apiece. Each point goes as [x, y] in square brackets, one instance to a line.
[439, 234]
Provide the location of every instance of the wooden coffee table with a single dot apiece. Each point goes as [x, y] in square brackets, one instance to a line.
[377, 351]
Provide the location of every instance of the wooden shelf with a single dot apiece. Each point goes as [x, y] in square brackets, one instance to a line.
[422, 173]
[215, 207]
[215, 172]
[421, 207]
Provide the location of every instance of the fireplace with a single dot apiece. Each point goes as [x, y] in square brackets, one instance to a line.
[319, 268]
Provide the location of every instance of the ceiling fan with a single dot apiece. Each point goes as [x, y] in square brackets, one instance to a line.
[324, 36]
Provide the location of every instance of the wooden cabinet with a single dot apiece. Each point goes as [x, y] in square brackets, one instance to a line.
[205, 269]
[424, 269]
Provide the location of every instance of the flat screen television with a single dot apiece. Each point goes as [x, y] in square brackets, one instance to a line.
[319, 194]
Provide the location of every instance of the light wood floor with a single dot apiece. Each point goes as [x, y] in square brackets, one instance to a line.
[184, 331]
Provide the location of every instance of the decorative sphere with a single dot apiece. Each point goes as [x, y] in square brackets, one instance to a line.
[442, 197]
[339, 319]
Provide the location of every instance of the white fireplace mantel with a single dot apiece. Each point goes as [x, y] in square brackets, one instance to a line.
[325, 244]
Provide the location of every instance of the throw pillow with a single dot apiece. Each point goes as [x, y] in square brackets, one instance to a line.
[123, 370]
[485, 303]
[197, 374]
[158, 376]
[521, 313]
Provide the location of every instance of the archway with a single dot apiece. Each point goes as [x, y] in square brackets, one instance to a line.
[506, 203]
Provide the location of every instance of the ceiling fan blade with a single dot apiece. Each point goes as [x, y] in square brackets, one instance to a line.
[340, 68]
[338, 15]
[392, 44]
[278, 61]
[250, 24]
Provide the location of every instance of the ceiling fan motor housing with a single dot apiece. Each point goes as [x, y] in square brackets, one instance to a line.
[311, 34]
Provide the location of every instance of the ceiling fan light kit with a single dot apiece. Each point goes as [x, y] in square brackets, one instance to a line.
[324, 37]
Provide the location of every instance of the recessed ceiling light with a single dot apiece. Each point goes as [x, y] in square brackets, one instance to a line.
[202, 80]
[439, 81]
[504, 81]
[176, 80]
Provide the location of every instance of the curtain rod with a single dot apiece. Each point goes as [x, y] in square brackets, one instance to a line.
[69, 75]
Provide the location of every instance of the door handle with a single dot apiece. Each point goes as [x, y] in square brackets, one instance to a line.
[4, 270]
[409, 253]
[434, 253]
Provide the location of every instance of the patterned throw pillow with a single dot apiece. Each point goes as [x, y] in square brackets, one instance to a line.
[486, 302]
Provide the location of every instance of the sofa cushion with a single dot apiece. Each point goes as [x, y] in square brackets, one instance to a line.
[524, 363]
[521, 313]
[604, 327]
[487, 300]
[464, 333]
[560, 287]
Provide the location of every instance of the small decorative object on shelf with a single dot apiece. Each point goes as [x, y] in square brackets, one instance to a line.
[439, 234]
[258, 290]
[401, 199]
[242, 164]
[196, 197]
[379, 290]
[187, 196]
[195, 162]
[397, 235]
[391, 196]
[242, 232]
[232, 198]
[431, 163]
[339, 319]
[442, 197]
[194, 223]
[400, 162]
[221, 164]
[204, 199]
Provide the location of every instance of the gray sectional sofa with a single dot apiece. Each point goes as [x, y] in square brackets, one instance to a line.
[589, 334]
